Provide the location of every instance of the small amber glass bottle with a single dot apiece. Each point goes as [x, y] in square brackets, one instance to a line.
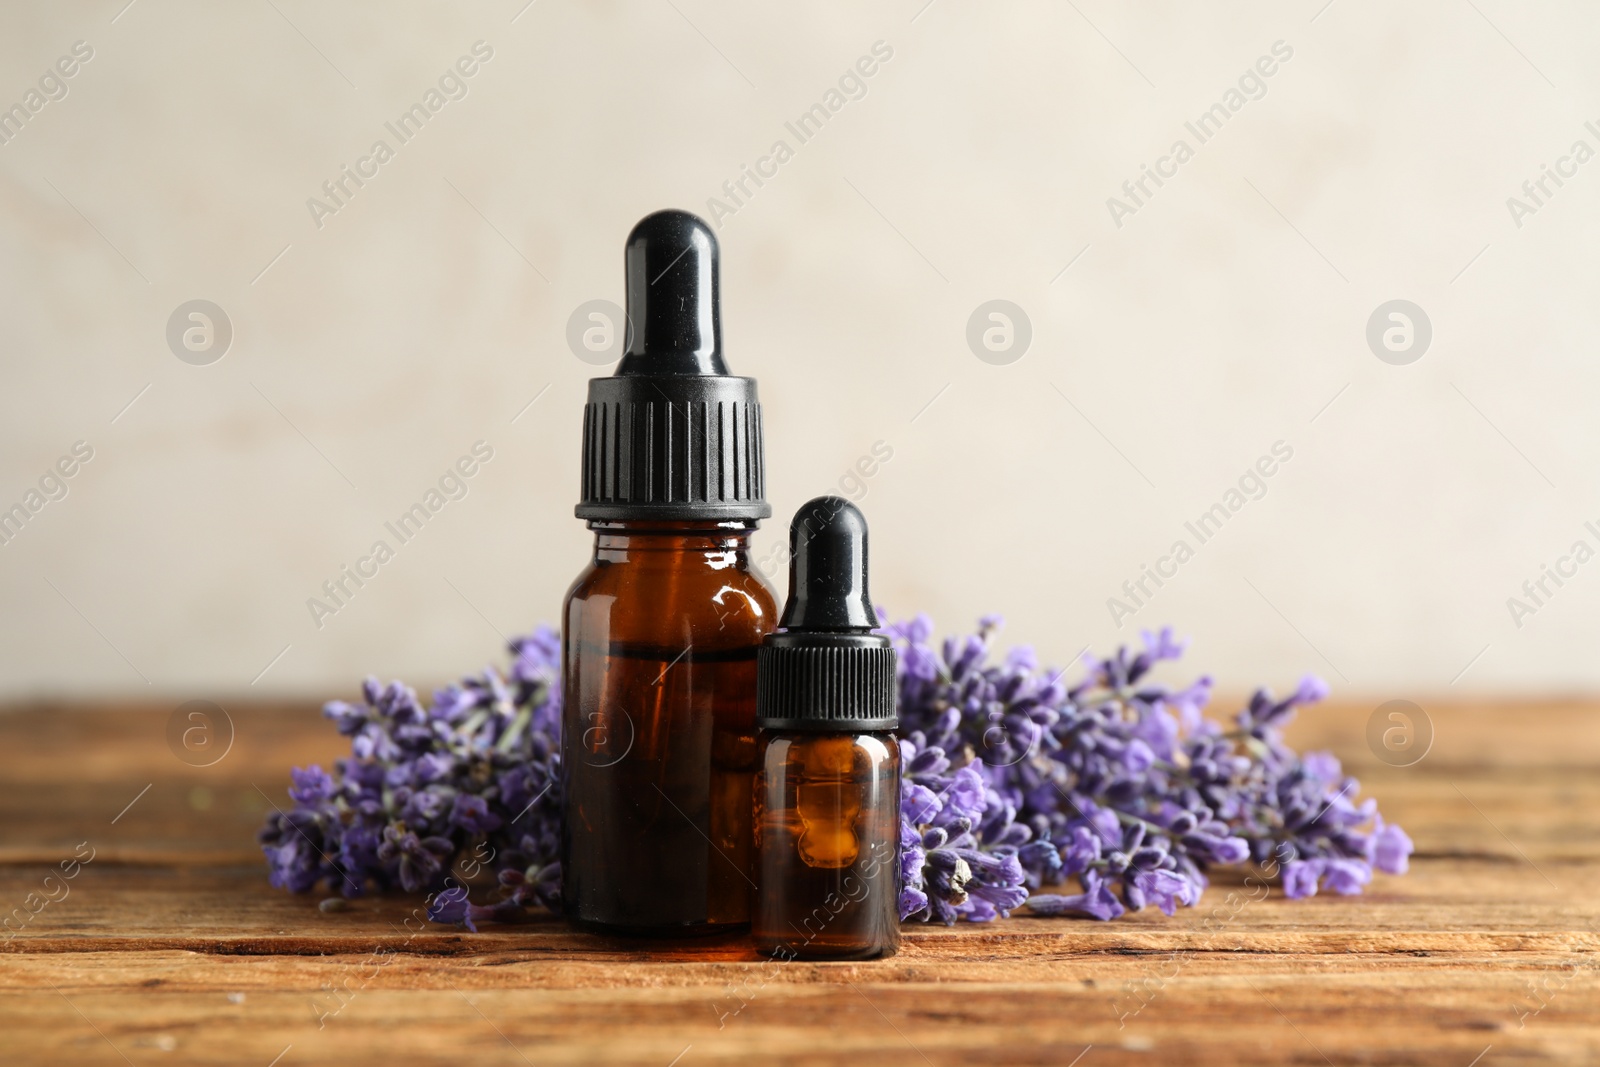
[828, 792]
[660, 632]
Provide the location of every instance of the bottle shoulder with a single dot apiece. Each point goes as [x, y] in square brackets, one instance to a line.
[618, 578]
[715, 602]
[874, 750]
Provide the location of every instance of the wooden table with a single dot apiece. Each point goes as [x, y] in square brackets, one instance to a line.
[170, 947]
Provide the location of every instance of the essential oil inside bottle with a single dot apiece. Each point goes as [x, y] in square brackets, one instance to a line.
[827, 797]
[660, 632]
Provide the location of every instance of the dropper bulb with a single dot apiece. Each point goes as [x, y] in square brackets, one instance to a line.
[828, 569]
[674, 310]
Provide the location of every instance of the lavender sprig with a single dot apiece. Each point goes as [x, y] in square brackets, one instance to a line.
[470, 783]
[1115, 781]
[1013, 780]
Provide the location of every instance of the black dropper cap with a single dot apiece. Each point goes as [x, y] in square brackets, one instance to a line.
[672, 435]
[825, 669]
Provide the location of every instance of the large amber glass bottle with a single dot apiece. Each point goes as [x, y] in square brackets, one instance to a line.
[660, 632]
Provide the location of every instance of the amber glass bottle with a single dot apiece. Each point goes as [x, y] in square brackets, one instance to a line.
[660, 632]
[827, 796]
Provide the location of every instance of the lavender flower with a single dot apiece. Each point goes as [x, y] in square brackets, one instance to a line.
[1096, 901]
[1113, 780]
[1013, 780]
[427, 793]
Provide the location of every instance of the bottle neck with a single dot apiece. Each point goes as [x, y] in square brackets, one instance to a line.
[619, 541]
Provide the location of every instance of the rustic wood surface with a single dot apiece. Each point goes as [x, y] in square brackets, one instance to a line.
[169, 947]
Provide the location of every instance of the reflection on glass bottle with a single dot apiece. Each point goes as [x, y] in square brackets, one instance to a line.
[827, 799]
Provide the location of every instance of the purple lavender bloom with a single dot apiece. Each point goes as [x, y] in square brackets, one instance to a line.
[1041, 863]
[472, 814]
[997, 884]
[1166, 889]
[312, 786]
[919, 803]
[1345, 876]
[1391, 849]
[1300, 878]
[1114, 780]
[1137, 757]
[467, 780]
[985, 903]
[417, 859]
[1162, 644]
[292, 865]
[1014, 778]
[946, 873]
[424, 807]
[965, 797]
[1311, 690]
[433, 767]
[347, 717]
[1096, 901]
[913, 903]
[1322, 766]
[538, 656]
[1191, 702]
[1021, 660]
[452, 703]
[1082, 852]
[358, 851]
[452, 906]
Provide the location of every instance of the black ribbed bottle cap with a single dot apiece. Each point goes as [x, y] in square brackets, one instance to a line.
[825, 669]
[672, 435]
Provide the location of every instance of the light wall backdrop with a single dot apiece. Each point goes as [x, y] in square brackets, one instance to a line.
[1348, 243]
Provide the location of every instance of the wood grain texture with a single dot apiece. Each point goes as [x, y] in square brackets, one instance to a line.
[169, 947]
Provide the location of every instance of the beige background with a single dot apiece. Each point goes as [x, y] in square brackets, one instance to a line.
[1223, 316]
